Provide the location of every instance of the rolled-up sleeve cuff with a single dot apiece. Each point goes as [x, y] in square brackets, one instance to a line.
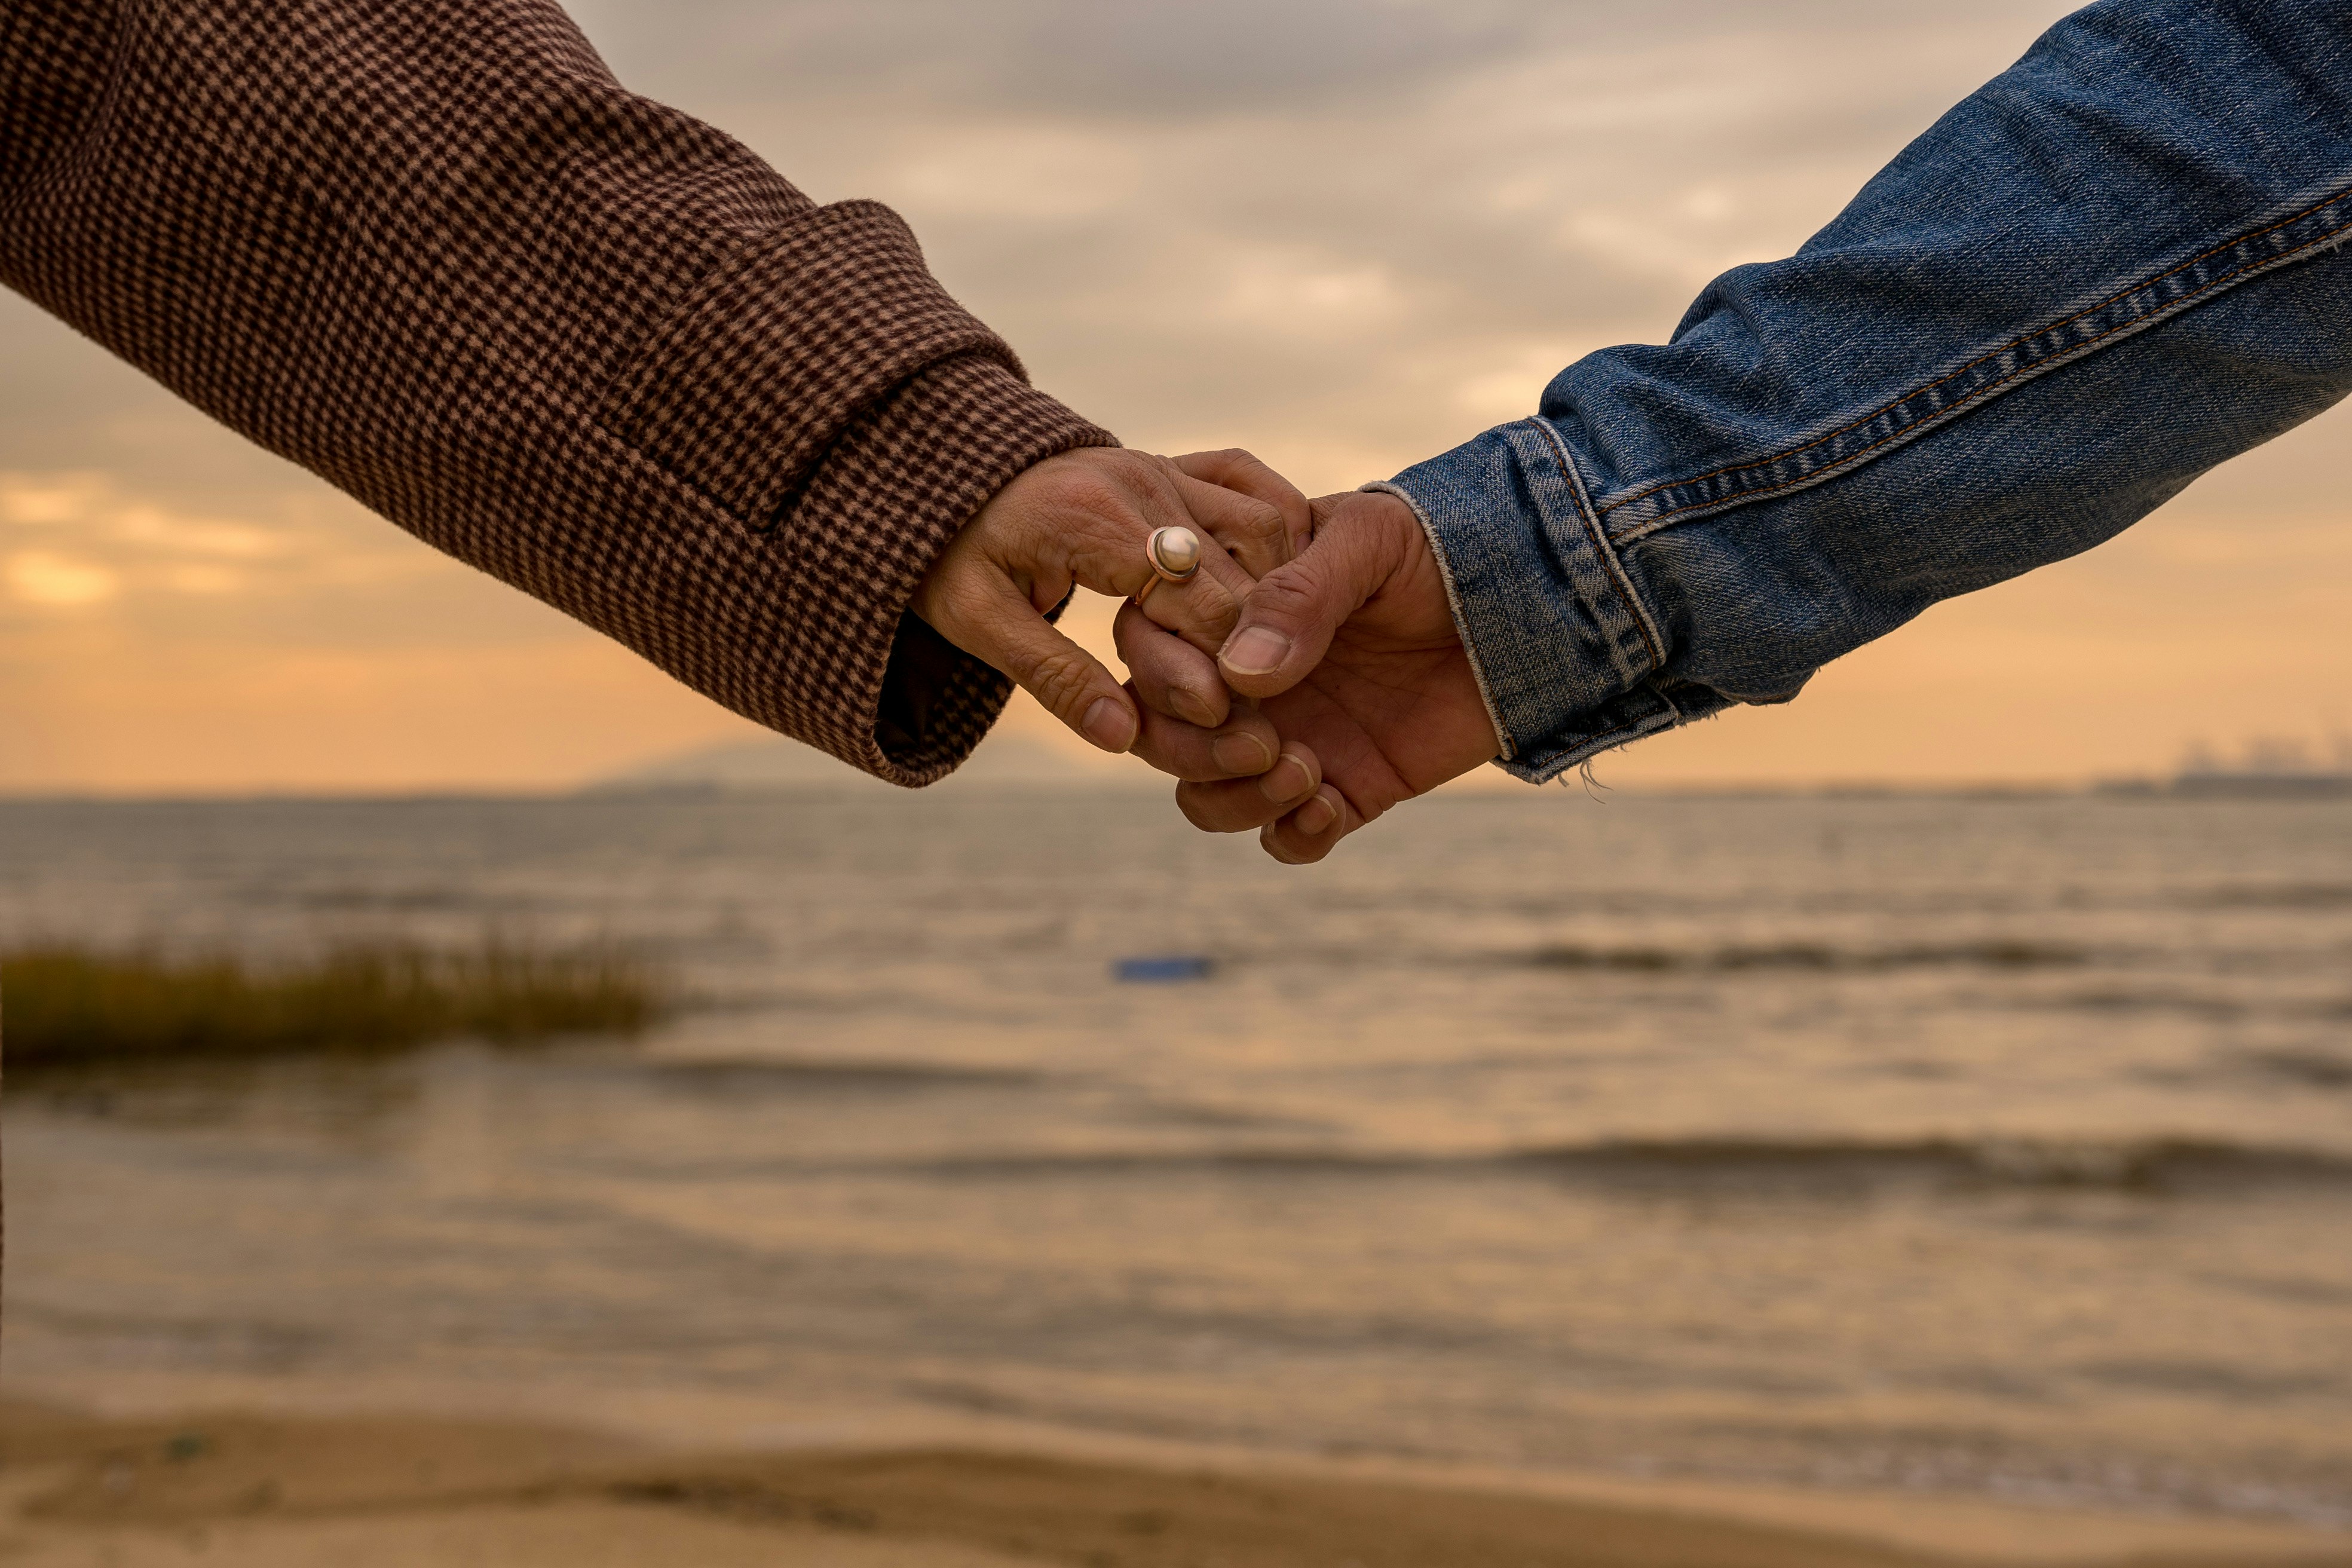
[1566, 653]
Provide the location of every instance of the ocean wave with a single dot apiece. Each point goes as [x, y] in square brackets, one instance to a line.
[738, 1075]
[2134, 1164]
[2209, 1007]
[1815, 957]
[2313, 1070]
[2274, 896]
[2154, 1166]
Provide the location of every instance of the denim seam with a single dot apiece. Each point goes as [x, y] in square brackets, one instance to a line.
[2005, 348]
[2146, 315]
[1454, 604]
[1582, 501]
[1592, 746]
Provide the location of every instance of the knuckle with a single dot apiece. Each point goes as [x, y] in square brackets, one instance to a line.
[1059, 679]
[1212, 611]
[1285, 596]
[1214, 597]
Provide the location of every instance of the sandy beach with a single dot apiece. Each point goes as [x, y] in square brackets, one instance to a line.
[1972, 1159]
[391, 1491]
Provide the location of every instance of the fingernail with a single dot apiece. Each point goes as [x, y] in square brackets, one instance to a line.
[1191, 705]
[1241, 755]
[1109, 725]
[1318, 814]
[1287, 781]
[1255, 650]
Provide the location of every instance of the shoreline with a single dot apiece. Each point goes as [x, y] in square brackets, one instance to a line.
[387, 1489]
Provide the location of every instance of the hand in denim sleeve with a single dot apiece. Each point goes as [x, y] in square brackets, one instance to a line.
[2115, 266]
[1363, 677]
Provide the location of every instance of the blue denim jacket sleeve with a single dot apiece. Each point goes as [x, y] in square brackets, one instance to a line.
[2113, 268]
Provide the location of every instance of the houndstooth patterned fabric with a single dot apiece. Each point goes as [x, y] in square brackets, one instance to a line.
[431, 251]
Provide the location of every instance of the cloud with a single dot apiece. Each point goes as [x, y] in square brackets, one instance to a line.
[53, 581]
[1122, 58]
[108, 542]
[1305, 226]
[47, 501]
[1346, 233]
[1188, 60]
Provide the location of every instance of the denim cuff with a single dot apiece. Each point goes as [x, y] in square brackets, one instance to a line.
[1565, 651]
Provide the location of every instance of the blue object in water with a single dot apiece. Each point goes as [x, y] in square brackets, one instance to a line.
[1164, 970]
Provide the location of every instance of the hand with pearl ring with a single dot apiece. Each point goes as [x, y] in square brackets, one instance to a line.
[1090, 517]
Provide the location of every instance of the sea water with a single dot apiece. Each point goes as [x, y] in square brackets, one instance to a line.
[1987, 1144]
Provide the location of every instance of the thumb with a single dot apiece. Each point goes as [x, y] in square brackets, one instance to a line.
[1287, 621]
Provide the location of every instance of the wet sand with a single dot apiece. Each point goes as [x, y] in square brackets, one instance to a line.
[391, 1491]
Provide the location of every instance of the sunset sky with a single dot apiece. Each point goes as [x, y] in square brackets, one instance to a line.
[1348, 234]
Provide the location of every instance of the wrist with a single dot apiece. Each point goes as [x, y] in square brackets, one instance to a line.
[1438, 584]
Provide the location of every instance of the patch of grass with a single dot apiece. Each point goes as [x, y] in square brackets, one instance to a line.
[62, 1006]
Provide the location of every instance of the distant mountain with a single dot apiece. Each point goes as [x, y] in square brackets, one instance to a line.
[2271, 768]
[773, 762]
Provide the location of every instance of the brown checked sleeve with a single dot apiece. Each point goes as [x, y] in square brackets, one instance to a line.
[431, 251]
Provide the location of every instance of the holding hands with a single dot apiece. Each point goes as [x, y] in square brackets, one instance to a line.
[1083, 519]
[1305, 679]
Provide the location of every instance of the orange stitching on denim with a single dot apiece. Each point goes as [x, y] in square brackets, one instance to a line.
[1650, 523]
[2006, 348]
[1582, 506]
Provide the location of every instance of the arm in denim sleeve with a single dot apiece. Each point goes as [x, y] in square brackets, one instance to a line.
[2114, 266]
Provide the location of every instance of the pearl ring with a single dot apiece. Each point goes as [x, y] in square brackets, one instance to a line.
[1175, 557]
